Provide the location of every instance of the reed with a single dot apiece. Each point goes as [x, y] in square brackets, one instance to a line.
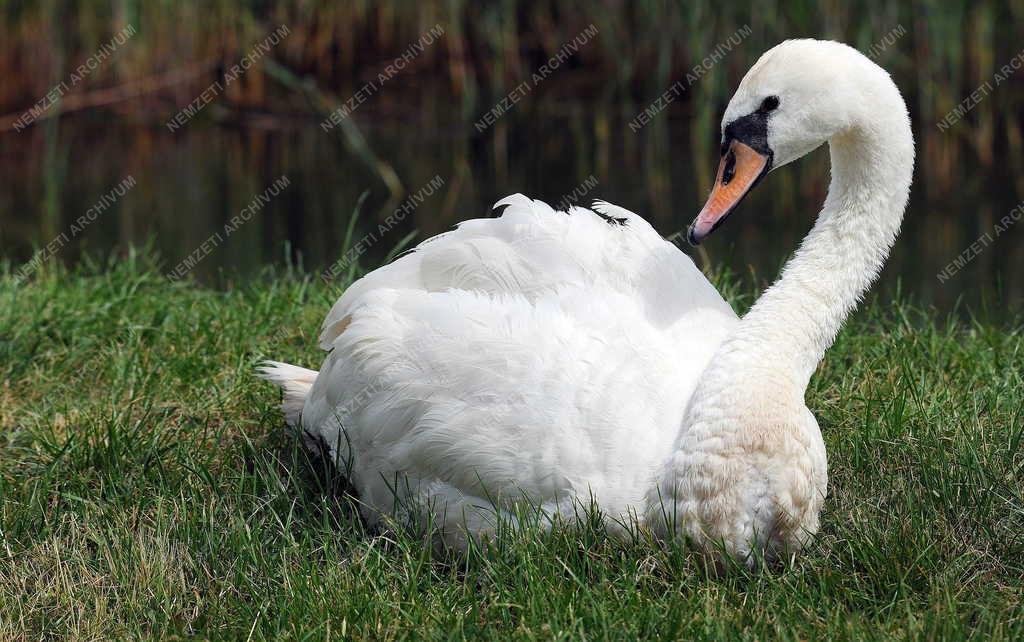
[969, 174]
[943, 51]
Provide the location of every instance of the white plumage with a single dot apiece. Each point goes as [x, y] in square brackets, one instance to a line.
[550, 359]
[540, 354]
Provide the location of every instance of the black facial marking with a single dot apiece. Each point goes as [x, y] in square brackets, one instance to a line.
[751, 130]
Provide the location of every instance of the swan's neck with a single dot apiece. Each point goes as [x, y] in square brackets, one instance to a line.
[796, 320]
[748, 451]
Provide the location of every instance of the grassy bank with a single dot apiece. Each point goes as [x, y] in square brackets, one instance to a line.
[147, 488]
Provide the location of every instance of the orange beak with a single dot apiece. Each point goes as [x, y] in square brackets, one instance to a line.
[740, 169]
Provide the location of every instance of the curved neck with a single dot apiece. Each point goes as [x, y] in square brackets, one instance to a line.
[796, 320]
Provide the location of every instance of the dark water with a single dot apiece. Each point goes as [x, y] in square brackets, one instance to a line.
[190, 184]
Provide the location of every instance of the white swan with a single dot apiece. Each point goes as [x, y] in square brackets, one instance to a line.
[549, 359]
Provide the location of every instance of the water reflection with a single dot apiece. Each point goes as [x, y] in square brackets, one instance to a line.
[191, 184]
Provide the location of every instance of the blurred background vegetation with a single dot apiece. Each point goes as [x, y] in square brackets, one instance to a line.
[572, 126]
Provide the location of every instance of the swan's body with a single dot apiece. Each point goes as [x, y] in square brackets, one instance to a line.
[550, 360]
[538, 354]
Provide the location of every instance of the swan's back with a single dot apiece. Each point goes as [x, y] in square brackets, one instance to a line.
[537, 356]
[532, 250]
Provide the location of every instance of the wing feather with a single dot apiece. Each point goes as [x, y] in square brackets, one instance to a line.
[540, 354]
[533, 250]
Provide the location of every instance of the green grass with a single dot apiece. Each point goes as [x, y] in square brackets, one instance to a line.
[148, 489]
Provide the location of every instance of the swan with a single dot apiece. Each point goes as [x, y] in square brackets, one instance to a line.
[548, 359]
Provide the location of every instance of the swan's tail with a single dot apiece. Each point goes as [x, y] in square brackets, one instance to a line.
[295, 383]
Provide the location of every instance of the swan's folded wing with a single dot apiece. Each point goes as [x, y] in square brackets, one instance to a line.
[532, 250]
[467, 389]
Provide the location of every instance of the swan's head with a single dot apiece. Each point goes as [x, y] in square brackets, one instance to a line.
[798, 95]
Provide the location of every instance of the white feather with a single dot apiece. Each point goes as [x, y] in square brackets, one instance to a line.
[295, 383]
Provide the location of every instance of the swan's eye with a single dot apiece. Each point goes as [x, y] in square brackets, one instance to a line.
[771, 103]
